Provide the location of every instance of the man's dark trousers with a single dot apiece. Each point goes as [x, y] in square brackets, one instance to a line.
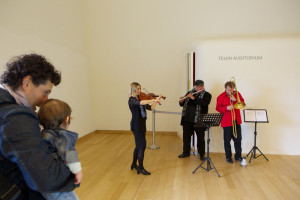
[228, 135]
[188, 131]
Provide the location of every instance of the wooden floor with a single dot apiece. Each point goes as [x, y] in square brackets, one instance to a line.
[106, 158]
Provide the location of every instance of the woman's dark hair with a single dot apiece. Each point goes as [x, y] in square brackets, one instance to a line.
[33, 65]
[53, 113]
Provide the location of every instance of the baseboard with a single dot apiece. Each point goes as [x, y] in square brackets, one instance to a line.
[129, 132]
[85, 136]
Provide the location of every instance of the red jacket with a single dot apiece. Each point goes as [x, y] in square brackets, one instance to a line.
[222, 102]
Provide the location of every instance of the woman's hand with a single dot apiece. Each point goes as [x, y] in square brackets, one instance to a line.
[157, 100]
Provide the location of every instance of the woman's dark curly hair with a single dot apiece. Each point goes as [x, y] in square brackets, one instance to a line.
[33, 65]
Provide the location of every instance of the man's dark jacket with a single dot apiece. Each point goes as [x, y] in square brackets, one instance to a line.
[25, 158]
[192, 105]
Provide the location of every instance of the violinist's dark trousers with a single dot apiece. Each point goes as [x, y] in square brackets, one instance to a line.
[228, 135]
[188, 131]
[140, 146]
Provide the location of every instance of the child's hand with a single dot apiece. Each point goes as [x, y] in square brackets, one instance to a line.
[78, 177]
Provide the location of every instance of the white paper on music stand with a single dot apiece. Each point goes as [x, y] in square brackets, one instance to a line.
[250, 115]
[261, 116]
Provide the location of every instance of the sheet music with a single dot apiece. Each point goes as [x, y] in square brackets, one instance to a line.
[250, 115]
[255, 115]
[261, 116]
[210, 119]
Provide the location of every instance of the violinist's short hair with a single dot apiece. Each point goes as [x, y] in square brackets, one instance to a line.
[133, 88]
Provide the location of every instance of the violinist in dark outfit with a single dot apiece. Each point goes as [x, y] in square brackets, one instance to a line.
[138, 125]
[194, 103]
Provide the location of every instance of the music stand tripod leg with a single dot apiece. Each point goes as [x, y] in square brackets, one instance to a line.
[253, 150]
[213, 167]
[199, 165]
[251, 157]
[209, 162]
[262, 154]
[206, 159]
[249, 152]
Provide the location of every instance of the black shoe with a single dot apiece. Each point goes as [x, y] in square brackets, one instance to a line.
[183, 155]
[239, 159]
[229, 160]
[134, 167]
[202, 158]
[143, 171]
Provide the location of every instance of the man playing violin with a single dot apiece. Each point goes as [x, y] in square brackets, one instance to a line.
[231, 117]
[194, 103]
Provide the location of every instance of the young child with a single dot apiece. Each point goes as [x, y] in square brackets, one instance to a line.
[54, 116]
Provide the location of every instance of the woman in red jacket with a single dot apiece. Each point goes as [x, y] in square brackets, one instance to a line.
[231, 115]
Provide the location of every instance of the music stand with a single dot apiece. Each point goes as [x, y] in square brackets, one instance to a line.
[256, 116]
[208, 120]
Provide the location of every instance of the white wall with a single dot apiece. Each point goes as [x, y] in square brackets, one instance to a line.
[268, 82]
[102, 49]
[55, 30]
[133, 41]
[148, 42]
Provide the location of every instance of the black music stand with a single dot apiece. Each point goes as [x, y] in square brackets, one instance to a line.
[256, 116]
[208, 120]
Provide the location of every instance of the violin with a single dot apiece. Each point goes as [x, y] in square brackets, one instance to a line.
[149, 96]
